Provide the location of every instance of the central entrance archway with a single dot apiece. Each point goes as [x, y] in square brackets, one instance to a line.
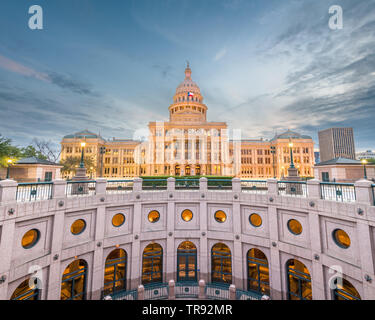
[187, 262]
[221, 264]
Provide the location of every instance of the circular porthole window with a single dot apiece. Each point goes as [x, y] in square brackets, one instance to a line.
[118, 220]
[294, 226]
[78, 227]
[255, 220]
[153, 216]
[30, 238]
[220, 216]
[341, 238]
[187, 215]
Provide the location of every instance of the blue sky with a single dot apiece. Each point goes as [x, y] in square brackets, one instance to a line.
[112, 66]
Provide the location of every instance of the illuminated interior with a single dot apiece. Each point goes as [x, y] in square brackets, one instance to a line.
[299, 281]
[78, 226]
[341, 238]
[187, 215]
[118, 220]
[220, 216]
[258, 272]
[30, 238]
[115, 272]
[255, 220]
[187, 262]
[345, 290]
[221, 260]
[152, 264]
[73, 285]
[294, 227]
[153, 216]
[26, 292]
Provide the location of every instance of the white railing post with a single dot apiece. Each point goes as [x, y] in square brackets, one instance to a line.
[171, 184]
[313, 189]
[8, 191]
[203, 182]
[141, 292]
[232, 292]
[272, 187]
[363, 192]
[171, 291]
[236, 185]
[58, 189]
[101, 186]
[202, 289]
[137, 184]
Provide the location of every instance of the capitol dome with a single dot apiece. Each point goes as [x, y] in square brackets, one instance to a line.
[187, 103]
[188, 85]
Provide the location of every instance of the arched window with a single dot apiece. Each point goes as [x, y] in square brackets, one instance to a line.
[152, 264]
[299, 281]
[344, 290]
[186, 262]
[221, 264]
[258, 278]
[27, 290]
[74, 279]
[115, 272]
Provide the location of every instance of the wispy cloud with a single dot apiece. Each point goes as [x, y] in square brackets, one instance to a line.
[220, 54]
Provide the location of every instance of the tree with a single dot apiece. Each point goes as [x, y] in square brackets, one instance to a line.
[30, 151]
[7, 151]
[70, 164]
[47, 149]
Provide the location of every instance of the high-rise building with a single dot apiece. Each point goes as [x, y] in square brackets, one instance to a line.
[335, 143]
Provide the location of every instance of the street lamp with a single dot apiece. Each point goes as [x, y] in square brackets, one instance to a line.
[83, 144]
[10, 161]
[273, 152]
[364, 162]
[291, 154]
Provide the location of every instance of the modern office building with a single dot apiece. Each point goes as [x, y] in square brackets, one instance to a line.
[369, 154]
[189, 145]
[336, 143]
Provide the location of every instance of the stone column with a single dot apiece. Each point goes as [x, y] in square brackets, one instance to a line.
[141, 292]
[236, 185]
[232, 292]
[101, 186]
[137, 185]
[272, 187]
[98, 261]
[170, 255]
[6, 248]
[363, 192]
[8, 191]
[203, 184]
[136, 254]
[58, 189]
[202, 290]
[171, 184]
[313, 189]
[171, 292]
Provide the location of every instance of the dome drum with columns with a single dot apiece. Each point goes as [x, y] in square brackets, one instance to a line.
[188, 102]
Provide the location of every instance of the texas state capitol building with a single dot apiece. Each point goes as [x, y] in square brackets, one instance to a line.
[190, 145]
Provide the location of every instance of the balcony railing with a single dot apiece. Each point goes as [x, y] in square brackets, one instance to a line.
[292, 188]
[187, 290]
[125, 295]
[217, 291]
[248, 295]
[154, 184]
[254, 186]
[344, 192]
[156, 291]
[80, 188]
[27, 192]
[119, 186]
[192, 184]
[219, 184]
